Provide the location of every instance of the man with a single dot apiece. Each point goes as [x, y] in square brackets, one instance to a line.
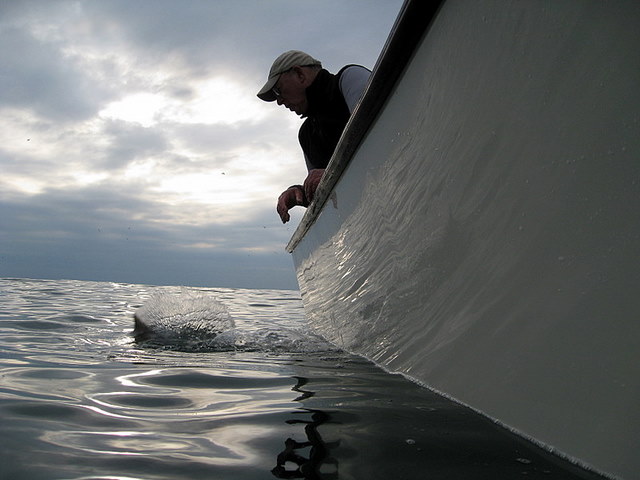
[298, 81]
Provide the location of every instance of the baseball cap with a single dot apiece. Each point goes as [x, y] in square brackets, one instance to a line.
[284, 62]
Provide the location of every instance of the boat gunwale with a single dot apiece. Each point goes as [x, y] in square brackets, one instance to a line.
[410, 27]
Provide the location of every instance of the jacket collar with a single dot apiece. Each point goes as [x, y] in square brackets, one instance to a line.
[316, 93]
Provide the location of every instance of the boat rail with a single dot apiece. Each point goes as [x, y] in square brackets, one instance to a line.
[411, 25]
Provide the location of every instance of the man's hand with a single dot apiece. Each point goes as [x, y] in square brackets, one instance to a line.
[311, 183]
[288, 199]
[299, 194]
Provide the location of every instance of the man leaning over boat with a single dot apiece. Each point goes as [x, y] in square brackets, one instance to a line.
[326, 101]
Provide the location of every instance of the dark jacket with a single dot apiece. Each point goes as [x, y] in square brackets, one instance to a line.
[327, 115]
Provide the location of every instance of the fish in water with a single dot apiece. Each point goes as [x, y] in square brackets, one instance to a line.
[181, 319]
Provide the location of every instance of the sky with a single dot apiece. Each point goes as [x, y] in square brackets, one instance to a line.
[133, 147]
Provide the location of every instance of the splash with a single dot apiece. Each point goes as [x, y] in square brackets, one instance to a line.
[196, 322]
[187, 319]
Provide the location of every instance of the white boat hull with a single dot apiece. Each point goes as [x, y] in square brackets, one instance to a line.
[483, 237]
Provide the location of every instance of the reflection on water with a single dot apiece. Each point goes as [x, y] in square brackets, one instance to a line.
[308, 466]
[80, 399]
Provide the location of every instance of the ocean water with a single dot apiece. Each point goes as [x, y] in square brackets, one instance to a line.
[259, 398]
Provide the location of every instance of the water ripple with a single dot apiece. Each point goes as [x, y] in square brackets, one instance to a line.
[80, 399]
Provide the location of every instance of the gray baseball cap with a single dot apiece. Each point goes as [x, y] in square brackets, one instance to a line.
[285, 62]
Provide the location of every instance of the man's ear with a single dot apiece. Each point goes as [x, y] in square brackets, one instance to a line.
[300, 74]
[304, 75]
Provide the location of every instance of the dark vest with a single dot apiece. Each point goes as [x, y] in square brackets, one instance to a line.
[327, 115]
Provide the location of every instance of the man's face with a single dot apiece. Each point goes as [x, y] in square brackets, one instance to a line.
[290, 91]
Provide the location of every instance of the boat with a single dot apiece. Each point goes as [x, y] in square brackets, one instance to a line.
[478, 230]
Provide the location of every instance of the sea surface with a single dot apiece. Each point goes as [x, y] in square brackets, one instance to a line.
[265, 398]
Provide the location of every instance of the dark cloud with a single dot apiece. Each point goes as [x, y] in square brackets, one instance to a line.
[246, 35]
[37, 76]
[102, 234]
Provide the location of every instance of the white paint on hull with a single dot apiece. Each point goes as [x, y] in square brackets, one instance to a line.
[484, 237]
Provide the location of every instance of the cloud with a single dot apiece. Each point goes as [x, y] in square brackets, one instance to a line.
[132, 144]
[127, 142]
[37, 76]
[105, 234]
